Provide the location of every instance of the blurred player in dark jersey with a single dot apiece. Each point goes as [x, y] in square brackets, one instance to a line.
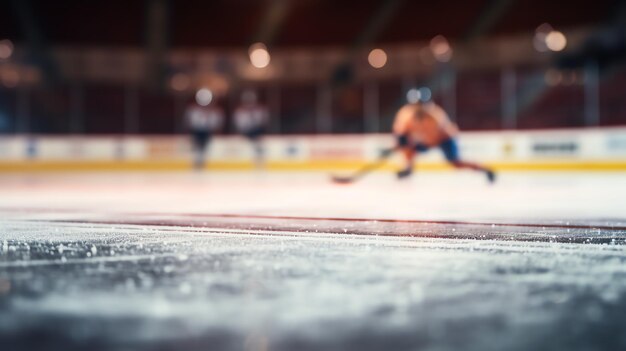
[251, 119]
[204, 119]
[422, 125]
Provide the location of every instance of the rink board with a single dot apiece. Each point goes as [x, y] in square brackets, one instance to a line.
[575, 149]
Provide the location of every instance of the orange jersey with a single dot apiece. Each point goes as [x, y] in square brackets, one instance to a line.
[424, 123]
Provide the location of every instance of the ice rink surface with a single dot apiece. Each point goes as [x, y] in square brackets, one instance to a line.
[289, 261]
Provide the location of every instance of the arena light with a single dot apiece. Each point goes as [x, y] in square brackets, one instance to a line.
[377, 58]
[425, 94]
[6, 49]
[204, 97]
[256, 46]
[441, 49]
[413, 95]
[556, 41]
[548, 39]
[259, 56]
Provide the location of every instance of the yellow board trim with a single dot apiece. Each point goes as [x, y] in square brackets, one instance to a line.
[179, 165]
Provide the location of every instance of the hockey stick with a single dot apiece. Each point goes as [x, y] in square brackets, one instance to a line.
[365, 170]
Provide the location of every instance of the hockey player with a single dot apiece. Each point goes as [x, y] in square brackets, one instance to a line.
[251, 119]
[204, 119]
[422, 125]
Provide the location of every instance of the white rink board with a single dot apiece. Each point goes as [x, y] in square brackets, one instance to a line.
[601, 144]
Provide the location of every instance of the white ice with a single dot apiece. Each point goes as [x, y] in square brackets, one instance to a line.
[515, 197]
[116, 286]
